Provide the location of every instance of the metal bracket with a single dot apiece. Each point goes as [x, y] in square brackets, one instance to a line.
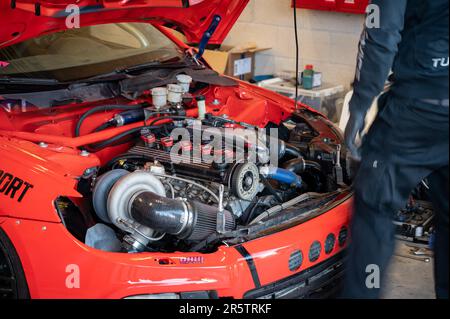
[221, 227]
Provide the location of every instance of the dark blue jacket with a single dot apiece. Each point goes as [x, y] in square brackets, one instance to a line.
[413, 41]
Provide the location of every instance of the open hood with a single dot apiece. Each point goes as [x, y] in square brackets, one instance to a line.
[24, 19]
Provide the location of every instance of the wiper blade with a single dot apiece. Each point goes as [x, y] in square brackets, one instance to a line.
[29, 81]
[122, 74]
[107, 77]
[154, 65]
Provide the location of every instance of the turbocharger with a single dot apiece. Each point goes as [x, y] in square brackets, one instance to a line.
[137, 204]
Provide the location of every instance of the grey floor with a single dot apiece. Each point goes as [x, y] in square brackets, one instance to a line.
[408, 278]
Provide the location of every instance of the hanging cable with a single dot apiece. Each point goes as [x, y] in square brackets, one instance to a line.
[297, 54]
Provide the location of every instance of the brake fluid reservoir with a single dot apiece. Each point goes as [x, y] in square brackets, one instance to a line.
[185, 82]
[175, 95]
[159, 97]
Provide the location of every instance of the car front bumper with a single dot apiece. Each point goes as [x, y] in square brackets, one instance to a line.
[278, 265]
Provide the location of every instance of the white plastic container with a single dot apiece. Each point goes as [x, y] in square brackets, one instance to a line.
[327, 99]
[175, 95]
[185, 82]
[201, 104]
[159, 97]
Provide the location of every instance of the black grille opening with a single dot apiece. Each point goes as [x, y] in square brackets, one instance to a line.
[314, 251]
[330, 243]
[295, 260]
[343, 234]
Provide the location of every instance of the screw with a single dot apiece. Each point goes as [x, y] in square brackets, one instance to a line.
[85, 153]
[44, 228]
[43, 144]
[88, 171]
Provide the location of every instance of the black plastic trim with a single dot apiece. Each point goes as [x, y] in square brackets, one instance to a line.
[185, 3]
[321, 281]
[37, 9]
[251, 264]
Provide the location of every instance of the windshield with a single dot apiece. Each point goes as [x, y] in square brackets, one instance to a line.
[77, 54]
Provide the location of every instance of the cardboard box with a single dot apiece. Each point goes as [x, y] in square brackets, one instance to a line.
[238, 62]
[235, 61]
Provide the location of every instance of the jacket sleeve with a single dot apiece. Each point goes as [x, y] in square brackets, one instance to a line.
[377, 50]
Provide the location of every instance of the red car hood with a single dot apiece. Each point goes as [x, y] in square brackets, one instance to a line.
[24, 19]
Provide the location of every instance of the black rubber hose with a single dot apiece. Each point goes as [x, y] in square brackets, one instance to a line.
[171, 117]
[111, 123]
[292, 151]
[271, 190]
[104, 126]
[108, 142]
[102, 145]
[300, 165]
[102, 108]
[161, 213]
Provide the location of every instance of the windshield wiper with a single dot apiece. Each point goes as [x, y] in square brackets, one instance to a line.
[154, 65]
[29, 81]
[124, 73]
[116, 75]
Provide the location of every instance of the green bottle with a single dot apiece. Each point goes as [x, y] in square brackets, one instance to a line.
[308, 77]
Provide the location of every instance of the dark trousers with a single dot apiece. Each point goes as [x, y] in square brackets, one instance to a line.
[408, 142]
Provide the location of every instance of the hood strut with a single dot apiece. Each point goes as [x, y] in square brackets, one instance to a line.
[207, 36]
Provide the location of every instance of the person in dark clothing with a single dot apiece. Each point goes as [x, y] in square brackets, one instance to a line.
[409, 140]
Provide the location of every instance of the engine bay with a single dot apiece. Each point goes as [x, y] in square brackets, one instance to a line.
[191, 166]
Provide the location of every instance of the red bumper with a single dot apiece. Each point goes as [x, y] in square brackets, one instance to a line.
[51, 258]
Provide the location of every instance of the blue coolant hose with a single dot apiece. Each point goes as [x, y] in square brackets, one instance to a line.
[282, 175]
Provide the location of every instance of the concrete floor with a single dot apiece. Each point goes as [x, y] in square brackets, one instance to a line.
[407, 278]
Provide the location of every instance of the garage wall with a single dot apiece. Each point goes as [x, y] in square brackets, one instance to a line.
[329, 40]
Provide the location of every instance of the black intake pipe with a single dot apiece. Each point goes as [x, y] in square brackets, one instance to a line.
[188, 220]
[300, 165]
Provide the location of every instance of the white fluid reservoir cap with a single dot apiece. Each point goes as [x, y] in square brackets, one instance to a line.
[184, 81]
[175, 95]
[159, 97]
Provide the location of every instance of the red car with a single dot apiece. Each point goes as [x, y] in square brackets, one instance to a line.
[92, 202]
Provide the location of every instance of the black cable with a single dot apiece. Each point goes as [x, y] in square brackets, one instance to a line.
[102, 108]
[104, 126]
[111, 123]
[271, 190]
[250, 214]
[156, 113]
[297, 54]
[108, 142]
[97, 147]
[172, 117]
[126, 156]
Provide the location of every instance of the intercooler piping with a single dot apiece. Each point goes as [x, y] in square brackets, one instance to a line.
[189, 220]
[300, 165]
